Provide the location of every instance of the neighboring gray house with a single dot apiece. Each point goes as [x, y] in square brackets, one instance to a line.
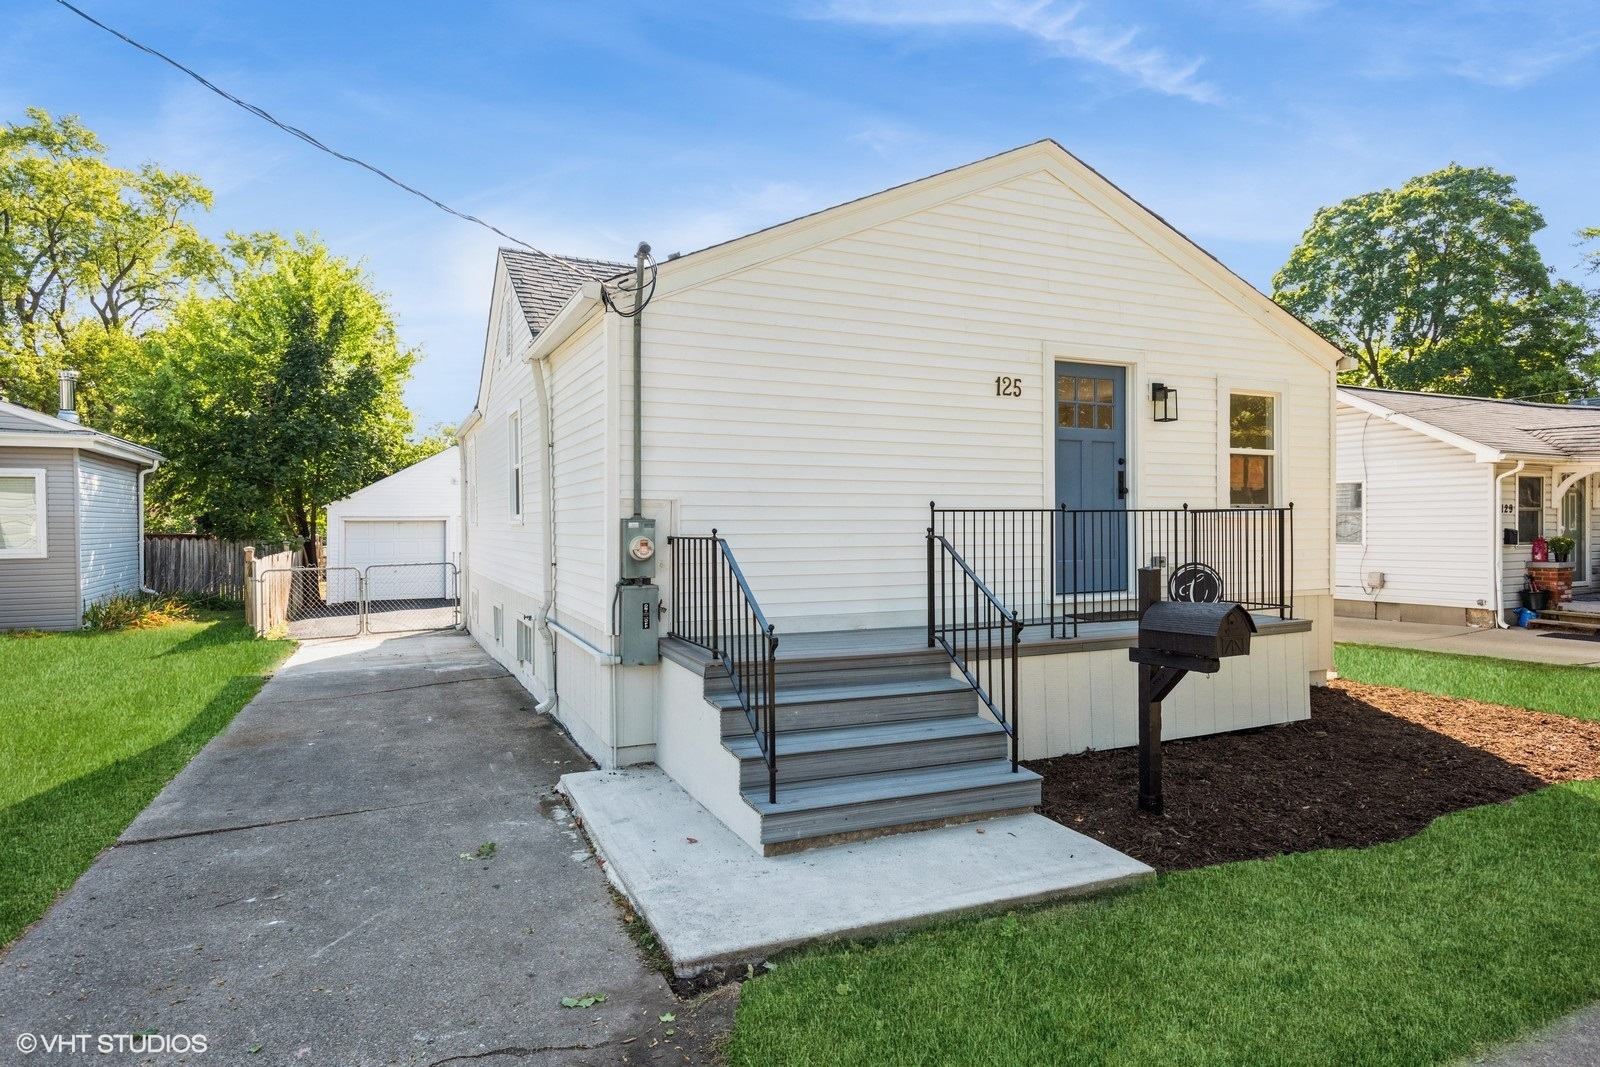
[71, 518]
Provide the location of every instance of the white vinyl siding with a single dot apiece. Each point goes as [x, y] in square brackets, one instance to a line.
[809, 407]
[24, 515]
[108, 527]
[1428, 525]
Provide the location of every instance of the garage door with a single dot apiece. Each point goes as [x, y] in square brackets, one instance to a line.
[390, 544]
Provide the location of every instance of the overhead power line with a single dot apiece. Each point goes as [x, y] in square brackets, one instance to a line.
[314, 143]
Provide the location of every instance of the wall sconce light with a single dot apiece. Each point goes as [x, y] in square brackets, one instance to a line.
[1163, 402]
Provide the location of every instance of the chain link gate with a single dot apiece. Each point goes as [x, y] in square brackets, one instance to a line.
[384, 598]
[411, 596]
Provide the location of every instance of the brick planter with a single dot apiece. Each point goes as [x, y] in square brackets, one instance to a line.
[1553, 578]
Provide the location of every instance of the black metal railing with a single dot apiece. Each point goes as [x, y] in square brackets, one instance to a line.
[1060, 569]
[981, 635]
[714, 608]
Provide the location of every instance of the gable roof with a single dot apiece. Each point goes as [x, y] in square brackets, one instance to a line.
[1491, 429]
[544, 283]
[23, 427]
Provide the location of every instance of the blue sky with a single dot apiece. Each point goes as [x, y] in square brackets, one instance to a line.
[584, 128]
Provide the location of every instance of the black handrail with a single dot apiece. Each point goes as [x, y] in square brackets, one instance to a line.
[979, 633]
[715, 609]
[1060, 568]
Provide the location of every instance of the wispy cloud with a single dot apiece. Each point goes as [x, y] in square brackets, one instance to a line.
[1063, 28]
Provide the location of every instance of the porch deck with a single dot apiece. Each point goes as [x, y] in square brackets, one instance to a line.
[1036, 640]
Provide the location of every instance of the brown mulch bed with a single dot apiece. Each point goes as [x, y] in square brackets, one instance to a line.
[1372, 764]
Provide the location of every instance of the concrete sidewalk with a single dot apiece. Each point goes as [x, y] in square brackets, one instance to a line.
[712, 900]
[310, 885]
[1533, 646]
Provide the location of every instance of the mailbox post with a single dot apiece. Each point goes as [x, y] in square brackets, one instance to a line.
[1174, 639]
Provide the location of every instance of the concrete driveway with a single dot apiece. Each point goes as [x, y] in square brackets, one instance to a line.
[316, 888]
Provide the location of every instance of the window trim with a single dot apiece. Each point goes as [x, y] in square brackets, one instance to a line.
[1360, 510]
[1277, 454]
[41, 479]
[514, 488]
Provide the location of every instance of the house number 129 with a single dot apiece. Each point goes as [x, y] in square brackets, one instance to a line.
[1008, 387]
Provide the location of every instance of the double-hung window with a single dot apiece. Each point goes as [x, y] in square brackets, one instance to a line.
[1349, 513]
[514, 465]
[1530, 508]
[22, 513]
[1252, 449]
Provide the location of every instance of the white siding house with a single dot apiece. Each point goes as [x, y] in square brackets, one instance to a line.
[71, 518]
[1440, 498]
[408, 524]
[986, 338]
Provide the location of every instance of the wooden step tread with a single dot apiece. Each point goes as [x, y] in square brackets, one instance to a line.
[892, 785]
[1549, 623]
[842, 738]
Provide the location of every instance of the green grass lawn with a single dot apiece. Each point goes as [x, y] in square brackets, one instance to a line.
[1561, 690]
[1415, 952]
[94, 725]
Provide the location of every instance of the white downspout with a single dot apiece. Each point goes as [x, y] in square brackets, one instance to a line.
[1497, 553]
[549, 501]
[144, 586]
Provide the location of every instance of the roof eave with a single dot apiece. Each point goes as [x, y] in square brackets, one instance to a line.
[572, 315]
[1481, 452]
[87, 440]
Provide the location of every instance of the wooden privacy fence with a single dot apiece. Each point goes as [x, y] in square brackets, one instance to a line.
[194, 563]
[268, 587]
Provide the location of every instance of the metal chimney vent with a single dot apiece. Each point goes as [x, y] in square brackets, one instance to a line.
[68, 380]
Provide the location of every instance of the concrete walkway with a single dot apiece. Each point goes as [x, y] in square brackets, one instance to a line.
[1534, 646]
[713, 900]
[311, 885]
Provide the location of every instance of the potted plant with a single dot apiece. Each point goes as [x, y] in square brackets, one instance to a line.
[1561, 548]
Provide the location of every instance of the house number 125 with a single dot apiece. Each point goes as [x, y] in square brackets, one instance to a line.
[1008, 387]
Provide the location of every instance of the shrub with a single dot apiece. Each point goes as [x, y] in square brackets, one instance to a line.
[135, 611]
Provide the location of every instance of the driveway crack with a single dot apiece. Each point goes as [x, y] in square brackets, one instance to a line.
[289, 822]
[379, 692]
[518, 1051]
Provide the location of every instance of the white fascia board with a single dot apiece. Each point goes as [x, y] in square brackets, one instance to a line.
[86, 441]
[1480, 452]
[572, 315]
[474, 417]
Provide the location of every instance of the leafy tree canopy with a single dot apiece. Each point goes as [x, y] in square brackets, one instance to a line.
[276, 396]
[90, 255]
[1438, 286]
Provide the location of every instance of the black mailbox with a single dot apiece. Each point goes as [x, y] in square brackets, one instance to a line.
[1210, 631]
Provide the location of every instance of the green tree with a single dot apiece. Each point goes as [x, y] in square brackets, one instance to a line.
[1438, 286]
[90, 256]
[274, 397]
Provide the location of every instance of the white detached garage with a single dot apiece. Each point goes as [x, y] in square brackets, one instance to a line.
[408, 524]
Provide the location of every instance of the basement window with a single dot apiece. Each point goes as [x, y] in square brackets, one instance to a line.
[22, 514]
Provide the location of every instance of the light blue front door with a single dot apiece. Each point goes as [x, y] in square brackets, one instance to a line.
[1092, 477]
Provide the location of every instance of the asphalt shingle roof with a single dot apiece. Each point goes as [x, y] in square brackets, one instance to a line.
[543, 287]
[1515, 427]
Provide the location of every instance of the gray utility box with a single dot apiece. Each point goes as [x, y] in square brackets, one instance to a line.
[639, 608]
[1209, 631]
[638, 549]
